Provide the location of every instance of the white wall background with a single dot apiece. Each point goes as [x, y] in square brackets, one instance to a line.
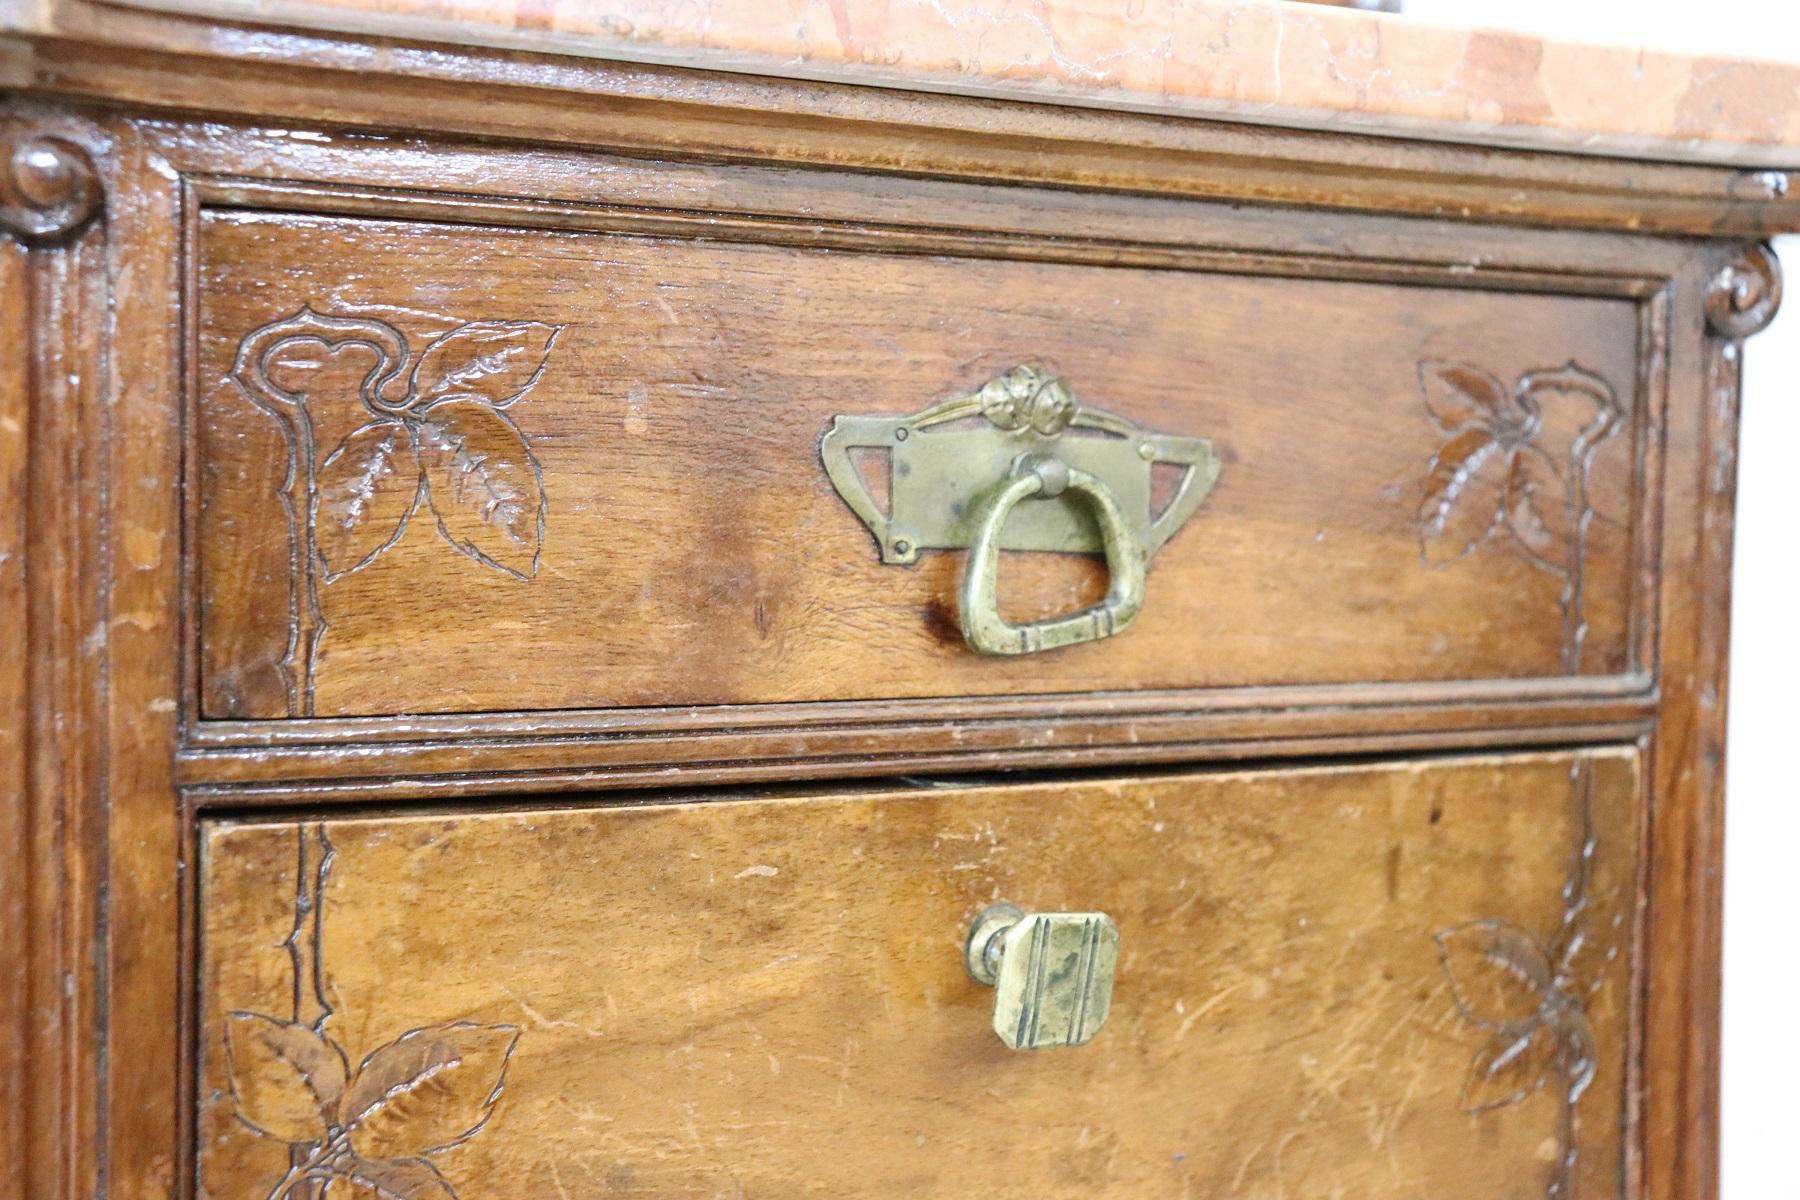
[1762, 877]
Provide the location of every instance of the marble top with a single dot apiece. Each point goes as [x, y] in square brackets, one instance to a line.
[1264, 61]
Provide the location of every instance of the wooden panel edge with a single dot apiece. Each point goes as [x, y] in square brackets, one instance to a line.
[157, 62]
[1735, 295]
[1646, 286]
[337, 782]
[52, 748]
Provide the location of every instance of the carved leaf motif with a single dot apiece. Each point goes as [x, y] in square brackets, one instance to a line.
[388, 1179]
[1576, 409]
[1465, 493]
[1538, 506]
[287, 1079]
[483, 484]
[495, 361]
[1458, 396]
[427, 1090]
[367, 490]
[1498, 972]
[1514, 1063]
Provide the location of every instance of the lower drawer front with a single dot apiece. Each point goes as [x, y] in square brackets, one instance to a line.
[1398, 980]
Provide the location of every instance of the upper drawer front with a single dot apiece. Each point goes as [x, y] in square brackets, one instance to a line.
[1404, 980]
[452, 469]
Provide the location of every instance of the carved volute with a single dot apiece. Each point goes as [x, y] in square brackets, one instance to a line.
[1742, 298]
[48, 189]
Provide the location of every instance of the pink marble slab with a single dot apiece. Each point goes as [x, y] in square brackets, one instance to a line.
[1262, 61]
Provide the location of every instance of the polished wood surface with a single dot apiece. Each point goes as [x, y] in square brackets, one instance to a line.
[133, 144]
[644, 519]
[1396, 980]
[460, 185]
[370, 86]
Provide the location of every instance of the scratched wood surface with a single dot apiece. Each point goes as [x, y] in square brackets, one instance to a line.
[171, 113]
[1409, 979]
[623, 501]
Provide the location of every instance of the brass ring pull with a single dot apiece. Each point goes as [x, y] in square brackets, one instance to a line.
[1042, 476]
[931, 486]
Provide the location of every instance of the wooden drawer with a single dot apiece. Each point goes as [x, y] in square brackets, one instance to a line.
[444, 653]
[1379, 980]
[472, 468]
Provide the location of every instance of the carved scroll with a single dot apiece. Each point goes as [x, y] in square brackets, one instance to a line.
[48, 189]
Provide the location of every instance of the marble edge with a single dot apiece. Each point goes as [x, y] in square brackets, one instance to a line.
[1263, 62]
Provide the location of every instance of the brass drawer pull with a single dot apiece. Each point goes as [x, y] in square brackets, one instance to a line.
[959, 471]
[1052, 973]
[1040, 476]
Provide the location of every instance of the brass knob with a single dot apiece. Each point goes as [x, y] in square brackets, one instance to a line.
[1052, 973]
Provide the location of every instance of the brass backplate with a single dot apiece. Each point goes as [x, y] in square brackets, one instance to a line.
[942, 459]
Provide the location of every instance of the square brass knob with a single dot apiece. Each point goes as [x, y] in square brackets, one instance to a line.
[1052, 973]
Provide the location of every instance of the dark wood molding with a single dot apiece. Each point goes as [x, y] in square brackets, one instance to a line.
[1735, 298]
[183, 65]
[1741, 299]
[233, 167]
[53, 296]
[118, 149]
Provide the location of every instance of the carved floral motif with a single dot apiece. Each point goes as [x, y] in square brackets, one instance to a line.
[438, 439]
[368, 1131]
[1528, 996]
[1514, 472]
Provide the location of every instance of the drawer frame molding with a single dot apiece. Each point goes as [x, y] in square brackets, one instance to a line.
[617, 746]
[436, 417]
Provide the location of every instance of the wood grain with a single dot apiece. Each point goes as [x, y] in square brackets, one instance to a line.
[1740, 293]
[15, 709]
[54, 434]
[319, 82]
[693, 551]
[767, 996]
[101, 323]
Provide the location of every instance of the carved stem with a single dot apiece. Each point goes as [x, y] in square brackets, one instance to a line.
[1574, 584]
[301, 1165]
[306, 948]
[260, 350]
[305, 625]
[1575, 901]
[309, 625]
[1562, 1181]
[305, 942]
[1581, 856]
[1581, 514]
[1574, 620]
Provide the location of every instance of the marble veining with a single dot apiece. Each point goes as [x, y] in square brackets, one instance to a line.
[1248, 60]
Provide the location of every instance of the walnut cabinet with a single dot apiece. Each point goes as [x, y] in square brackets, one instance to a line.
[491, 701]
